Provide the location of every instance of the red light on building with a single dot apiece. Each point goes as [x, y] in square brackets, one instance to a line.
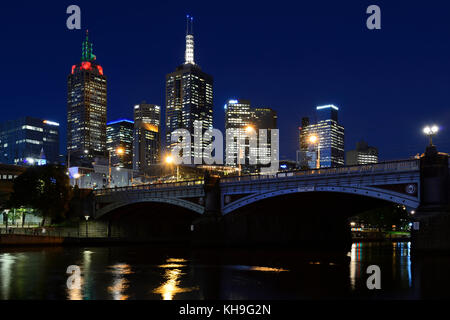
[86, 65]
[73, 69]
[100, 69]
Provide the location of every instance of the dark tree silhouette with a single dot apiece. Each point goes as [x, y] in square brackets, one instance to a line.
[44, 188]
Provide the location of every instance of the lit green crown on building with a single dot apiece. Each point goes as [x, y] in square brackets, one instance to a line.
[87, 54]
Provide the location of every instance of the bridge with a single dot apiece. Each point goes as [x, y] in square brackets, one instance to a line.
[397, 182]
[321, 197]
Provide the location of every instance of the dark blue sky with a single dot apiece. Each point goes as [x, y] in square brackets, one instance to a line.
[288, 55]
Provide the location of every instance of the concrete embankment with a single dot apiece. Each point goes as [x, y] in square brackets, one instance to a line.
[17, 240]
[30, 240]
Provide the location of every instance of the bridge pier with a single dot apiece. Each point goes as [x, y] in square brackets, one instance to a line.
[206, 229]
[432, 219]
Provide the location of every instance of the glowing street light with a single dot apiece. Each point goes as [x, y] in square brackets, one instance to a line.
[314, 139]
[76, 176]
[120, 151]
[431, 131]
[249, 129]
[87, 218]
[170, 160]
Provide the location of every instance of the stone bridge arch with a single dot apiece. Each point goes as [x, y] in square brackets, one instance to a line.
[197, 208]
[410, 202]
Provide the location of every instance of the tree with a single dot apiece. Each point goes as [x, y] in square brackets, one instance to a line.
[44, 188]
[385, 217]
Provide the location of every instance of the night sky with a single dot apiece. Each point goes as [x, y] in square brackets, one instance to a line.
[290, 56]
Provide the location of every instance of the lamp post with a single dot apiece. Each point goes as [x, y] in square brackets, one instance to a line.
[315, 140]
[248, 129]
[431, 131]
[87, 218]
[76, 177]
[119, 151]
[170, 161]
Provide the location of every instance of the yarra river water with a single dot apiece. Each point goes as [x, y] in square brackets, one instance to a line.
[149, 272]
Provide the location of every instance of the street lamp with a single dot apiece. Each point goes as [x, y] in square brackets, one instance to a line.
[119, 151]
[248, 129]
[170, 160]
[431, 131]
[87, 218]
[76, 176]
[314, 139]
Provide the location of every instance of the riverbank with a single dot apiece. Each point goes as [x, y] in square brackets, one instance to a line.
[40, 240]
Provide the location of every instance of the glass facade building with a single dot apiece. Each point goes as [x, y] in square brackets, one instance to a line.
[146, 136]
[329, 147]
[119, 142]
[239, 115]
[86, 108]
[363, 154]
[29, 141]
[189, 96]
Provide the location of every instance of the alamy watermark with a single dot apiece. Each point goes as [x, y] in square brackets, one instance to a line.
[261, 147]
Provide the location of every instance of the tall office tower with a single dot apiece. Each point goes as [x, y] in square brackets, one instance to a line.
[241, 116]
[265, 118]
[86, 108]
[363, 154]
[146, 136]
[303, 153]
[119, 142]
[329, 145]
[238, 116]
[29, 141]
[189, 95]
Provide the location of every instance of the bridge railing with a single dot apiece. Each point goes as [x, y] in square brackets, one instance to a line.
[394, 166]
[153, 186]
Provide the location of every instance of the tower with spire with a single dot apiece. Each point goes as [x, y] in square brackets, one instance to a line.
[86, 108]
[189, 94]
[189, 54]
[87, 54]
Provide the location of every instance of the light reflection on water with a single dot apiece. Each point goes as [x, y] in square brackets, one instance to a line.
[173, 273]
[400, 262]
[139, 273]
[120, 283]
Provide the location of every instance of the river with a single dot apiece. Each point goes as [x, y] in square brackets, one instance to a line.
[155, 273]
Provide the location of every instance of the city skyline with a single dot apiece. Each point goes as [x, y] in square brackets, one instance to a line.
[373, 101]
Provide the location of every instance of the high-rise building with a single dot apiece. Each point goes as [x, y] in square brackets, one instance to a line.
[239, 115]
[265, 118]
[119, 142]
[363, 154]
[146, 136]
[328, 146]
[189, 95]
[86, 108]
[29, 141]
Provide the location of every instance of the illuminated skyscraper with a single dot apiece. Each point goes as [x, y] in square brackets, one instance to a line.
[239, 115]
[147, 137]
[119, 142]
[265, 118]
[86, 108]
[189, 94]
[330, 139]
[29, 141]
